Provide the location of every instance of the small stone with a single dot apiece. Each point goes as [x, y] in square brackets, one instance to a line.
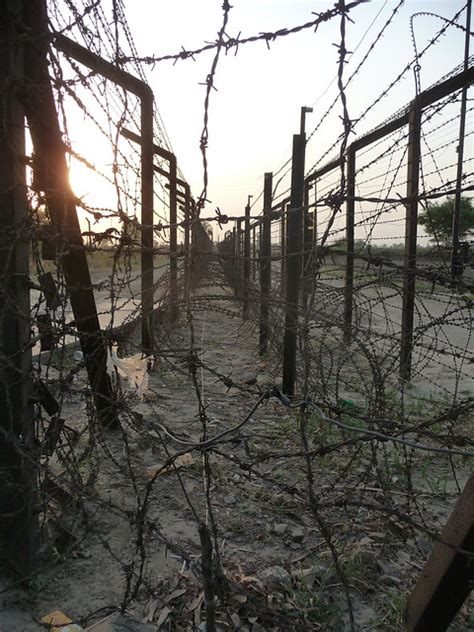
[297, 534]
[235, 619]
[236, 478]
[275, 577]
[230, 499]
[279, 529]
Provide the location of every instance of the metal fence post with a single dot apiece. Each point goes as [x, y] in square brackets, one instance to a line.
[53, 176]
[283, 250]
[446, 579]
[314, 259]
[238, 251]
[229, 258]
[254, 251]
[293, 265]
[187, 241]
[173, 241]
[456, 254]
[233, 242]
[246, 296]
[18, 488]
[350, 217]
[408, 308]
[192, 240]
[265, 263]
[307, 245]
[147, 220]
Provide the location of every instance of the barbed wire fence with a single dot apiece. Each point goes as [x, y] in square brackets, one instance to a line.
[151, 380]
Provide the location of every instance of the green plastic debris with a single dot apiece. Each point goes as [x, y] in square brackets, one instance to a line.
[347, 404]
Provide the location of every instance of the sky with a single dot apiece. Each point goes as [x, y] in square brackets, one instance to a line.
[255, 108]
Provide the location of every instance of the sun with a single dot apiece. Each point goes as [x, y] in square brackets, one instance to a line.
[96, 195]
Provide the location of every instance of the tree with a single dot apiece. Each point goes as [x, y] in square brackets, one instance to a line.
[437, 219]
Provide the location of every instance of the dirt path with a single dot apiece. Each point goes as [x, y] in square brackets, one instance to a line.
[275, 549]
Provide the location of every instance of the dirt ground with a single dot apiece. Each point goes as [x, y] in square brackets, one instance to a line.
[292, 562]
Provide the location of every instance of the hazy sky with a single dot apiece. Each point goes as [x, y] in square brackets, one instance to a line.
[256, 107]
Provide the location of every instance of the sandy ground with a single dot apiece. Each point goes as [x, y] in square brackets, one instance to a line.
[259, 501]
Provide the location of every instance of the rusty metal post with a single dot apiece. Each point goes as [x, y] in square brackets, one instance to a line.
[194, 225]
[174, 194]
[246, 307]
[254, 251]
[265, 263]
[314, 259]
[233, 241]
[293, 265]
[456, 256]
[52, 175]
[18, 488]
[448, 575]
[283, 250]
[315, 220]
[187, 241]
[173, 241]
[238, 260]
[224, 252]
[147, 221]
[411, 221]
[307, 245]
[228, 257]
[350, 218]
[145, 93]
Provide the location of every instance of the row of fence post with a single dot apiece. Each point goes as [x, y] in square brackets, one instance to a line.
[194, 232]
[24, 57]
[298, 243]
[294, 270]
[236, 251]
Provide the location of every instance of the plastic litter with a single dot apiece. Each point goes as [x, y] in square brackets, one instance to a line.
[134, 369]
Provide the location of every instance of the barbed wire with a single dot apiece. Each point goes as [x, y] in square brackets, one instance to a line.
[206, 439]
[236, 42]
